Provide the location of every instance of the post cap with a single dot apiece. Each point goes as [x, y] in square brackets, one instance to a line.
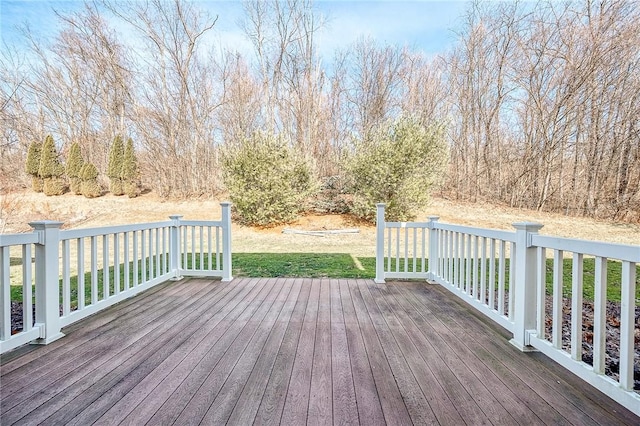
[45, 224]
[528, 226]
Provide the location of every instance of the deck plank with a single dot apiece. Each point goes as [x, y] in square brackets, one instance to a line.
[122, 371]
[59, 351]
[129, 393]
[84, 331]
[320, 391]
[246, 404]
[61, 385]
[447, 398]
[180, 386]
[345, 409]
[391, 399]
[275, 393]
[253, 357]
[415, 400]
[367, 397]
[201, 400]
[460, 377]
[139, 412]
[292, 351]
[529, 406]
[297, 401]
[546, 379]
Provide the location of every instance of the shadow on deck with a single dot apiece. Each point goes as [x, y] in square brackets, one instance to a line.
[292, 351]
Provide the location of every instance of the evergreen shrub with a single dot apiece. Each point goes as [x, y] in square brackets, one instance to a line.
[268, 182]
[90, 186]
[129, 172]
[114, 169]
[32, 165]
[51, 170]
[397, 164]
[74, 167]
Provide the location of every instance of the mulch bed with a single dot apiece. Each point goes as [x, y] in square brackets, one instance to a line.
[612, 358]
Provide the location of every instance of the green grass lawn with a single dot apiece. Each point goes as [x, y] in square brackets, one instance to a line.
[338, 265]
[614, 278]
[310, 265]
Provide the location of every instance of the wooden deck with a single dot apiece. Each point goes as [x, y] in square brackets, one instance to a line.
[292, 351]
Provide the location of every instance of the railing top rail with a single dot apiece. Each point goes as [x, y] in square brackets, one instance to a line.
[18, 239]
[623, 252]
[201, 223]
[406, 224]
[107, 230]
[480, 232]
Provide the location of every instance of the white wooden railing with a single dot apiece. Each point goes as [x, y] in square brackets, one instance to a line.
[504, 275]
[76, 273]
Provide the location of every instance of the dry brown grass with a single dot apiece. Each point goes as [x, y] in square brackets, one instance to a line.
[79, 212]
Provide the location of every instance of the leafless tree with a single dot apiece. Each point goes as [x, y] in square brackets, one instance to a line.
[292, 82]
[175, 95]
[543, 99]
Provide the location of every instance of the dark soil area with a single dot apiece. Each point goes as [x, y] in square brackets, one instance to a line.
[16, 317]
[612, 359]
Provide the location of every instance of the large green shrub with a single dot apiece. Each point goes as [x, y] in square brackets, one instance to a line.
[74, 167]
[268, 181]
[32, 165]
[51, 170]
[129, 171]
[90, 186]
[397, 164]
[114, 169]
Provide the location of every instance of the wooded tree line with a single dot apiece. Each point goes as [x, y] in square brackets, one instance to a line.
[545, 107]
[541, 102]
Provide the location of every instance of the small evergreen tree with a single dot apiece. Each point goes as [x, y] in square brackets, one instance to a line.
[114, 169]
[33, 165]
[268, 181]
[90, 186]
[129, 173]
[398, 165]
[51, 170]
[74, 167]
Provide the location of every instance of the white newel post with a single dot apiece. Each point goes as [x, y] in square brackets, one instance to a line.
[47, 252]
[226, 242]
[525, 285]
[380, 226]
[174, 247]
[433, 248]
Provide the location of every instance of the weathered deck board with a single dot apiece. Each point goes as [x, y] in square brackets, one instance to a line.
[297, 401]
[345, 409]
[429, 373]
[523, 374]
[273, 399]
[156, 387]
[393, 407]
[367, 399]
[292, 351]
[460, 381]
[320, 392]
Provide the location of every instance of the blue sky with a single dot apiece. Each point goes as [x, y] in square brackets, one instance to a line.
[422, 24]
